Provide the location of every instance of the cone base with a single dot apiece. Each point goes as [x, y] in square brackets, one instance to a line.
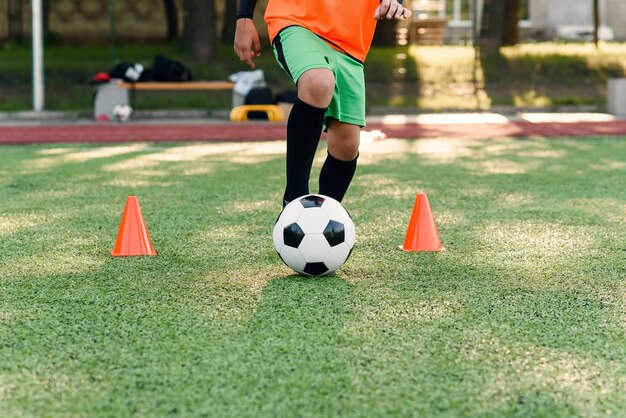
[409, 250]
[133, 255]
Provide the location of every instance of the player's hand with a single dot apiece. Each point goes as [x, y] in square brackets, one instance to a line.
[391, 9]
[247, 45]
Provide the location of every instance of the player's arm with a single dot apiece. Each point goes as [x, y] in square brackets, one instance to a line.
[391, 9]
[247, 45]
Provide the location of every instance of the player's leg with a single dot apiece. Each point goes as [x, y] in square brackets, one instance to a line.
[345, 117]
[343, 150]
[304, 128]
[304, 57]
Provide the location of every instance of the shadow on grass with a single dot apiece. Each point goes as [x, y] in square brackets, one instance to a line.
[505, 322]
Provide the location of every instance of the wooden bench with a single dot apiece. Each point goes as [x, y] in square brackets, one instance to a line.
[173, 86]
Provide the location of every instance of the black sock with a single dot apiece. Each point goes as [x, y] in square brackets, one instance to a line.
[304, 129]
[336, 176]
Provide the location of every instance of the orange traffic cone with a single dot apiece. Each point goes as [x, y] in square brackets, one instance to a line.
[132, 238]
[422, 234]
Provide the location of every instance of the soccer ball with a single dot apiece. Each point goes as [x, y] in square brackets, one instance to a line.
[122, 112]
[314, 235]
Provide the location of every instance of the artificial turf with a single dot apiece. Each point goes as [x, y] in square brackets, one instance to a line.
[524, 315]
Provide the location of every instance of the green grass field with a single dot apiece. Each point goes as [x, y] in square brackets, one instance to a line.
[523, 316]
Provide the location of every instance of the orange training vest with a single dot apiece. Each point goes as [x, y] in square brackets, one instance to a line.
[346, 25]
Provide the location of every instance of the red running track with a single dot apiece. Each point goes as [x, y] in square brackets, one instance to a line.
[265, 131]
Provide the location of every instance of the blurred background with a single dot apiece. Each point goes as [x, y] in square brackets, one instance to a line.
[503, 55]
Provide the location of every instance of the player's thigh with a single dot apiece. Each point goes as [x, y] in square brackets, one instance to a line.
[348, 103]
[299, 50]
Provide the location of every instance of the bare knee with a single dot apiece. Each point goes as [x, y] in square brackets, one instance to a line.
[343, 140]
[316, 87]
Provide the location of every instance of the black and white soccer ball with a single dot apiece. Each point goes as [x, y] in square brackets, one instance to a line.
[314, 235]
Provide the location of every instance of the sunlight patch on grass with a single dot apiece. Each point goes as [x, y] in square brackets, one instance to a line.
[378, 185]
[542, 154]
[10, 224]
[131, 164]
[515, 200]
[260, 152]
[15, 224]
[525, 369]
[375, 152]
[389, 312]
[54, 151]
[152, 173]
[266, 148]
[442, 151]
[447, 151]
[250, 159]
[449, 217]
[499, 166]
[232, 242]
[252, 206]
[104, 152]
[197, 171]
[137, 182]
[83, 156]
[534, 255]
[224, 233]
[239, 153]
[537, 239]
[476, 192]
[195, 152]
[49, 263]
[608, 165]
[488, 148]
[611, 210]
[231, 297]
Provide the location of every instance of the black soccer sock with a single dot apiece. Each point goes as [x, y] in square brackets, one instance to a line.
[336, 176]
[304, 129]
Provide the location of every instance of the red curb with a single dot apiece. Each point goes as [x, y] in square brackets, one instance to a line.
[254, 131]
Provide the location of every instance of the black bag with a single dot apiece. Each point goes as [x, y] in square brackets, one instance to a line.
[258, 96]
[167, 69]
[119, 71]
[128, 72]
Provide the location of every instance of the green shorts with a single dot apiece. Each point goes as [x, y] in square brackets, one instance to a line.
[298, 50]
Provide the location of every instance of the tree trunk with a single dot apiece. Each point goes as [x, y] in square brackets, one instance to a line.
[187, 4]
[512, 15]
[171, 17]
[45, 5]
[230, 16]
[15, 21]
[500, 25]
[596, 21]
[490, 38]
[202, 32]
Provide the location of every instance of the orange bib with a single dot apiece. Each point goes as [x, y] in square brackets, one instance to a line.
[347, 25]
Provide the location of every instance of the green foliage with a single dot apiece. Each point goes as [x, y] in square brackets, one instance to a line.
[522, 316]
[435, 78]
